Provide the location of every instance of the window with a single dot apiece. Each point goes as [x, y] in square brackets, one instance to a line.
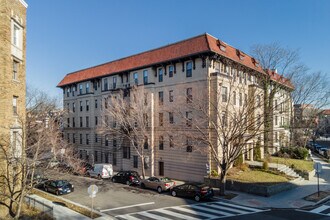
[160, 75]
[95, 103]
[114, 82]
[136, 78]
[171, 141]
[106, 155]
[96, 121]
[145, 119]
[87, 88]
[95, 85]
[106, 120]
[74, 138]
[189, 118]
[15, 69]
[189, 95]
[68, 123]
[87, 105]
[105, 84]
[87, 139]
[81, 122]
[240, 99]
[224, 119]
[73, 122]
[114, 123]
[106, 140]
[80, 139]
[161, 98]
[80, 89]
[224, 93]
[170, 95]
[258, 100]
[161, 117]
[189, 69]
[73, 106]
[276, 120]
[275, 103]
[145, 77]
[170, 71]
[95, 156]
[189, 145]
[73, 90]
[15, 105]
[114, 159]
[87, 121]
[16, 35]
[81, 106]
[276, 136]
[145, 145]
[170, 116]
[161, 143]
[234, 98]
[127, 152]
[135, 162]
[114, 143]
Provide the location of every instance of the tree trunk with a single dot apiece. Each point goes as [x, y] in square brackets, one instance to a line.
[142, 166]
[223, 177]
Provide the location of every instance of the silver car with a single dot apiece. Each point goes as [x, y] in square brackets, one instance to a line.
[158, 183]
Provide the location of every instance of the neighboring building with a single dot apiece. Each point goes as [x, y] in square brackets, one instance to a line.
[12, 74]
[323, 126]
[202, 64]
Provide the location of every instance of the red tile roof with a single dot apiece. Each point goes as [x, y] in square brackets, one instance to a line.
[279, 78]
[326, 112]
[196, 45]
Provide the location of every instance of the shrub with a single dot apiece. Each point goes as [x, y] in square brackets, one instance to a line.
[214, 173]
[293, 152]
[239, 161]
[257, 152]
[265, 165]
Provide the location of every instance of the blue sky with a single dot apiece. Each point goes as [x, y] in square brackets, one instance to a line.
[68, 35]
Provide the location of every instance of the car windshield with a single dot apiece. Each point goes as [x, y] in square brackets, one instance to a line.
[60, 183]
[165, 179]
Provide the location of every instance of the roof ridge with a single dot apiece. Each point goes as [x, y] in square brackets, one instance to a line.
[147, 51]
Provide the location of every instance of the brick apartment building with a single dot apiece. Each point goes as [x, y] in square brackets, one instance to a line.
[12, 73]
[201, 64]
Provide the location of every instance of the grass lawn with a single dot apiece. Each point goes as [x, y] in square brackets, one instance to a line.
[258, 177]
[303, 165]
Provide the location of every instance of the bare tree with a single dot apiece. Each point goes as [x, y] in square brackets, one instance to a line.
[225, 122]
[129, 120]
[39, 139]
[309, 88]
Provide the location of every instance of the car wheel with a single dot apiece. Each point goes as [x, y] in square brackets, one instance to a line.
[143, 186]
[173, 193]
[46, 190]
[57, 193]
[128, 183]
[159, 189]
[113, 180]
[197, 198]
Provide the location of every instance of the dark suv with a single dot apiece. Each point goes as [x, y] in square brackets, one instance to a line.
[127, 177]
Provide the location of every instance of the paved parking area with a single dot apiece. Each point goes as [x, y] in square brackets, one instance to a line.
[117, 199]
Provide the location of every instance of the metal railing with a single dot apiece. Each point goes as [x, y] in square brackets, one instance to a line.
[42, 207]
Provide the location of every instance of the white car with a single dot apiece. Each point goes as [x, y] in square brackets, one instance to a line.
[101, 171]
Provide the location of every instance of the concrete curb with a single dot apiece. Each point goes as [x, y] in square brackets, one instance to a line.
[323, 200]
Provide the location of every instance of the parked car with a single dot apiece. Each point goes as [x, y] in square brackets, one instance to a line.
[58, 187]
[101, 171]
[127, 177]
[158, 183]
[196, 191]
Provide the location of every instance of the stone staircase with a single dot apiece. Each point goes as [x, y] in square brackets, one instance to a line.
[280, 167]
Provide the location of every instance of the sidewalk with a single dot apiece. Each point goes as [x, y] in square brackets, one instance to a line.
[292, 198]
[62, 212]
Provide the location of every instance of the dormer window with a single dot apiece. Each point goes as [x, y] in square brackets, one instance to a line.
[240, 54]
[221, 45]
[255, 62]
